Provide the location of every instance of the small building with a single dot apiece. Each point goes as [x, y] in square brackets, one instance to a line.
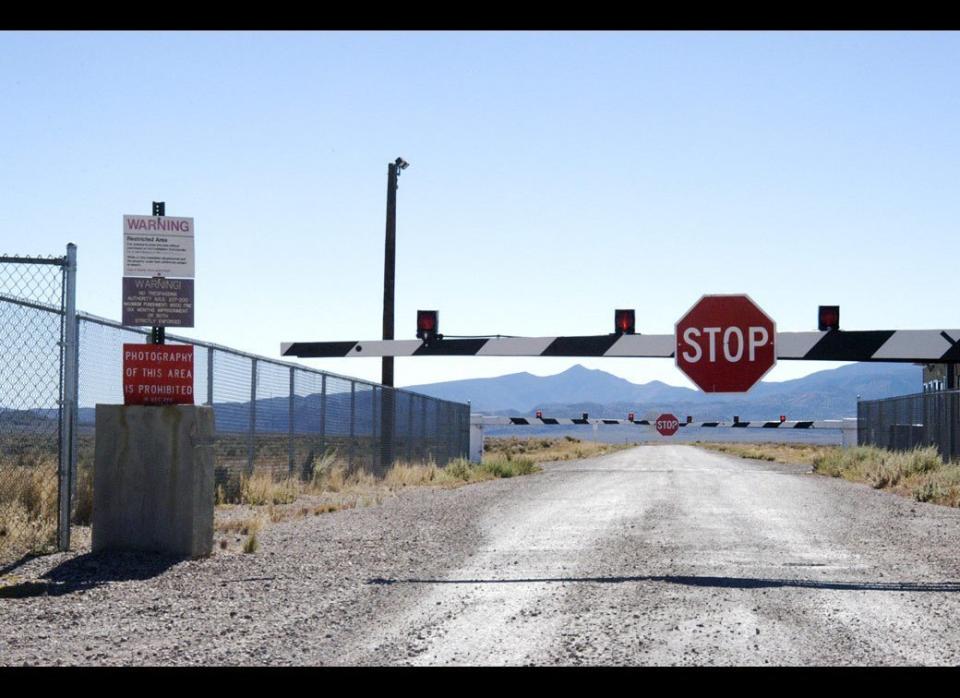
[937, 377]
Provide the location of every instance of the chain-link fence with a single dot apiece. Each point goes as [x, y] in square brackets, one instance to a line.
[36, 382]
[275, 416]
[906, 422]
[57, 364]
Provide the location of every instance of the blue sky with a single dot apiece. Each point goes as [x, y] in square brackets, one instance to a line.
[554, 177]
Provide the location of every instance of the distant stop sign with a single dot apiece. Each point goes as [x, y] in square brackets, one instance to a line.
[667, 424]
[725, 344]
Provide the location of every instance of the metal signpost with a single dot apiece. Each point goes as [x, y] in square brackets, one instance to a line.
[667, 424]
[158, 276]
[160, 249]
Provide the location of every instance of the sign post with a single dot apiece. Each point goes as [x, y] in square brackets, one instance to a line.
[725, 343]
[667, 424]
[158, 275]
[157, 247]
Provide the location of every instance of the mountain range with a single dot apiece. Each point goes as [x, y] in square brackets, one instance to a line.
[827, 394]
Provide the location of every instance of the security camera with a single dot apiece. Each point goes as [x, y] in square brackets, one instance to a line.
[402, 164]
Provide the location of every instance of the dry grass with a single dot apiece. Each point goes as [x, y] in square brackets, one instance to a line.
[545, 450]
[28, 508]
[28, 494]
[920, 473]
[83, 502]
[331, 487]
[779, 452]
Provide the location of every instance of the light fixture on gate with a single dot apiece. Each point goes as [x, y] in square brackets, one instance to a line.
[630, 416]
[828, 317]
[624, 321]
[783, 418]
[428, 325]
[539, 414]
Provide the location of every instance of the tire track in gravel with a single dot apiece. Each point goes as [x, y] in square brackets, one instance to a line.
[657, 555]
[672, 555]
[477, 613]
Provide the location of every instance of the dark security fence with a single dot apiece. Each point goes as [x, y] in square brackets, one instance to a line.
[911, 421]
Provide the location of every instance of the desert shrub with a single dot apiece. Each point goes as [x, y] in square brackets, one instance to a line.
[458, 469]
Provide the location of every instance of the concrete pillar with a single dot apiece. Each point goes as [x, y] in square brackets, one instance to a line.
[476, 442]
[153, 479]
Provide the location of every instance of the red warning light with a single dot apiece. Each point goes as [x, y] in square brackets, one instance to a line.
[427, 324]
[624, 321]
[828, 317]
[539, 414]
[630, 416]
[783, 418]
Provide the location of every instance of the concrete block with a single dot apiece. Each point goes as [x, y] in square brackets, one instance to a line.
[153, 483]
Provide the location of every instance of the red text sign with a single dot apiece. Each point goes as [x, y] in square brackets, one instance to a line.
[725, 344]
[667, 424]
[157, 374]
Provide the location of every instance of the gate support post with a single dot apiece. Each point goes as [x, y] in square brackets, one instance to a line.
[68, 409]
[476, 441]
[848, 431]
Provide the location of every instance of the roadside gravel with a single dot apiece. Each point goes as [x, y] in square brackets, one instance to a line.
[655, 555]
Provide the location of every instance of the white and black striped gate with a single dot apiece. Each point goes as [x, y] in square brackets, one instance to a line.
[478, 424]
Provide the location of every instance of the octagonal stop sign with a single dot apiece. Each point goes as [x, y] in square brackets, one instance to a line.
[725, 344]
[667, 424]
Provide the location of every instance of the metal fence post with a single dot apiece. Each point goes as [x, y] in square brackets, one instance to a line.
[290, 423]
[409, 427]
[74, 436]
[376, 456]
[323, 412]
[949, 417]
[423, 428]
[251, 437]
[69, 393]
[210, 376]
[353, 414]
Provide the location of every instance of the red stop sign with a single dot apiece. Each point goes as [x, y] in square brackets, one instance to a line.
[725, 344]
[667, 424]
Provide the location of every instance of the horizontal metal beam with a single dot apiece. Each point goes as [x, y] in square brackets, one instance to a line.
[482, 420]
[910, 346]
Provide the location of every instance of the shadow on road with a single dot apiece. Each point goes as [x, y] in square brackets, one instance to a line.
[91, 570]
[717, 582]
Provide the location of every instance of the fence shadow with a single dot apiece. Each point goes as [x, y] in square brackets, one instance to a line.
[91, 570]
[695, 581]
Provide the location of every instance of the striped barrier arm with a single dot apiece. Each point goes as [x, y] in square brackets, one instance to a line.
[748, 424]
[914, 346]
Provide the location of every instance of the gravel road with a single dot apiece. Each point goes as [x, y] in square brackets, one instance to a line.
[656, 555]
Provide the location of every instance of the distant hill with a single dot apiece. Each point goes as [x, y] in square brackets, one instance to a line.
[822, 395]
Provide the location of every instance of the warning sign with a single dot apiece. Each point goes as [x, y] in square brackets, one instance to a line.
[157, 374]
[157, 302]
[158, 246]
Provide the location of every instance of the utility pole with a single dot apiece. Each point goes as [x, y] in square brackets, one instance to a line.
[389, 275]
[158, 335]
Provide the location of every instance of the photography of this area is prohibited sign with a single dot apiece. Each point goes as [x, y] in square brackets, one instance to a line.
[158, 246]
